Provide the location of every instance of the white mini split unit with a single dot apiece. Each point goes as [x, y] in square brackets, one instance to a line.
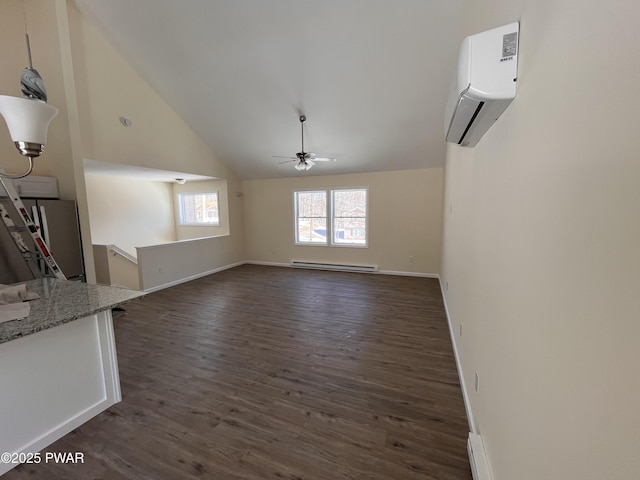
[485, 84]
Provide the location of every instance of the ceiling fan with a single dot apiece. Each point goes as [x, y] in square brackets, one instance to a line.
[304, 160]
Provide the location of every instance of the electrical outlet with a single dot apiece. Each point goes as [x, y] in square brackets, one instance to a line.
[160, 269]
[476, 382]
[411, 259]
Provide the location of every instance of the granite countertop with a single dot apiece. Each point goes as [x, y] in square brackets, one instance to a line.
[63, 301]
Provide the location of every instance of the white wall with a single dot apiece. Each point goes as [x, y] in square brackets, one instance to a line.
[129, 213]
[161, 266]
[405, 215]
[542, 247]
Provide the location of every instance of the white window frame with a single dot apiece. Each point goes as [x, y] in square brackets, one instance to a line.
[329, 219]
[334, 243]
[181, 213]
[296, 219]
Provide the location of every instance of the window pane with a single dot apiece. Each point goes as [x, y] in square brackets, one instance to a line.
[350, 230]
[312, 230]
[199, 209]
[312, 204]
[349, 217]
[349, 203]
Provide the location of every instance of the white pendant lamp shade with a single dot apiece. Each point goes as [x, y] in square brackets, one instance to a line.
[28, 120]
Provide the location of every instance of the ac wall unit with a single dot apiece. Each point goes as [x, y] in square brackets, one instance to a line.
[36, 187]
[485, 84]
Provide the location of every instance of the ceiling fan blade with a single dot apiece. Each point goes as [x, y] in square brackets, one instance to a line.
[288, 161]
[324, 159]
[281, 156]
[310, 162]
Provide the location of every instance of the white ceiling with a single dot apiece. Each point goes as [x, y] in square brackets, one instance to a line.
[133, 172]
[372, 76]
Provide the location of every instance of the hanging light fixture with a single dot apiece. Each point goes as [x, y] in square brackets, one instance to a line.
[28, 118]
[305, 160]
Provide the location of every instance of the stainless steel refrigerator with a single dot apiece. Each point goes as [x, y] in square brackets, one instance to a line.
[59, 227]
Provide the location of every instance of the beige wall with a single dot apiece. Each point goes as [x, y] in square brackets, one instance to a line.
[542, 248]
[129, 213]
[104, 88]
[43, 33]
[107, 88]
[45, 24]
[114, 269]
[405, 209]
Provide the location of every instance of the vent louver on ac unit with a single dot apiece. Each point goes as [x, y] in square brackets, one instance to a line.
[485, 84]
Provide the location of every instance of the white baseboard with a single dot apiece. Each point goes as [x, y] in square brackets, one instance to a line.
[409, 274]
[463, 385]
[268, 264]
[478, 458]
[192, 277]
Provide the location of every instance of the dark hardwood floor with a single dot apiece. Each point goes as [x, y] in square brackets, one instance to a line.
[275, 373]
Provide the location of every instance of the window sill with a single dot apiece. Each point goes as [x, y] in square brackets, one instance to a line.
[328, 246]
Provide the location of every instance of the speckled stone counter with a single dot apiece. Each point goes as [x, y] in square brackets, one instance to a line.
[61, 302]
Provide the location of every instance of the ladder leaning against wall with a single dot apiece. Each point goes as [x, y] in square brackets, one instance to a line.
[39, 259]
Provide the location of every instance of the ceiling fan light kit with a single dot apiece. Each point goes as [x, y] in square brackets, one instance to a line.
[305, 160]
[302, 165]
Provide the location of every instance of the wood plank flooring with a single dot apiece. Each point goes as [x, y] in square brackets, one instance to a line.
[259, 373]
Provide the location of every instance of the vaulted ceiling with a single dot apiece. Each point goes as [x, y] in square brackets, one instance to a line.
[371, 76]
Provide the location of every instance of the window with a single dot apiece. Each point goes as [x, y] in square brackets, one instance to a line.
[311, 217]
[331, 217]
[199, 209]
[349, 217]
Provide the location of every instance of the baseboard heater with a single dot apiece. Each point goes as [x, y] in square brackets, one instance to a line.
[335, 266]
[477, 458]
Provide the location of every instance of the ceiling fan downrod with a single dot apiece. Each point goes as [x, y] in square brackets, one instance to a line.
[302, 120]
